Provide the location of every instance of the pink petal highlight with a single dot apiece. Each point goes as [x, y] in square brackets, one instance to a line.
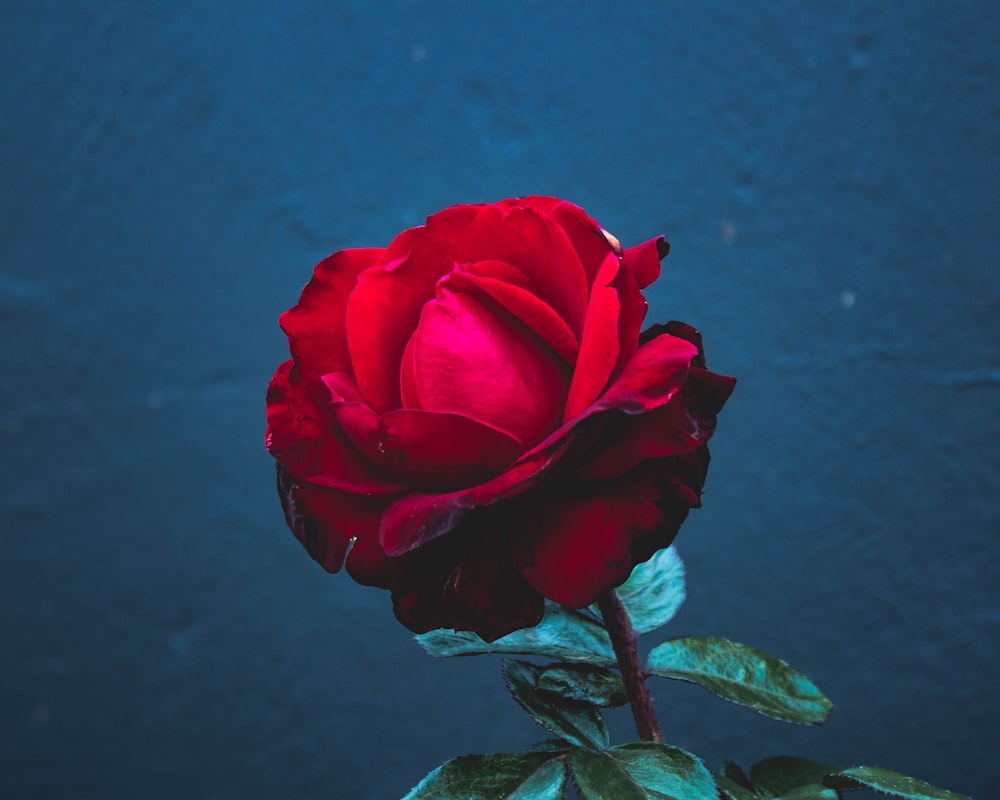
[474, 359]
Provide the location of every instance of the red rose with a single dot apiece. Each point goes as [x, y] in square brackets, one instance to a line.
[472, 420]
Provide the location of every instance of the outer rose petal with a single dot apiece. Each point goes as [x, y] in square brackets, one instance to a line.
[577, 546]
[643, 260]
[585, 234]
[327, 521]
[384, 308]
[599, 346]
[685, 423]
[315, 326]
[304, 437]
[467, 582]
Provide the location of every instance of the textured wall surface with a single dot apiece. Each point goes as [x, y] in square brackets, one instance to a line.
[171, 172]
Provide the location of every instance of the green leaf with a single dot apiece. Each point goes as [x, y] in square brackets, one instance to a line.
[665, 771]
[578, 723]
[743, 675]
[563, 634]
[889, 782]
[595, 685]
[522, 776]
[791, 778]
[599, 777]
[641, 771]
[654, 591]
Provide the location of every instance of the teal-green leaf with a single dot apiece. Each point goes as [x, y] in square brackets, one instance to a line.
[889, 782]
[564, 634]
[743, 675]
[641, 771]
[654, 591]
[578, 723]
[663, 771]
[522, 776]
[792, 778]
[599, 777]
[596, 685]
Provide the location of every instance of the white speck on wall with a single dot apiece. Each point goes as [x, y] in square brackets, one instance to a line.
[418, 53]
[847, 299]
[728, 232]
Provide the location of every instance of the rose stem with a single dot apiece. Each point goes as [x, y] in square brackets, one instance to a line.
[624, 641]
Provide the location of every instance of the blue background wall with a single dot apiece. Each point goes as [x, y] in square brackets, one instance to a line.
[171, 172]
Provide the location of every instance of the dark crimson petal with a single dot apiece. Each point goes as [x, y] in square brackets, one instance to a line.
[522, 305]
[685, 423]
[368, 564]
[315, 326]
[305, 438]
[416, 519]
[576, 546]
[474, 359]
[485, 592]
[643, 260]
[384, 308]
[599, 345]
[465, 581]
[524, 238]
[649, 378]
[327, 521]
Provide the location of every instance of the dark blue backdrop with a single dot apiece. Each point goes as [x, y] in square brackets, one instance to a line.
[171, 172]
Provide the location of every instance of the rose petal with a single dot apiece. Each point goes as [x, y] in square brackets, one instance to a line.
[523, 305]
[599, 345]
[685, 423]
[524, 238]
[575, 547]
[585, 234]
[327, 521]
[424, 449]
[474, 359]
[305, 438]
[416, 519]
[485, 593]
[317, 335]
[643, 260]
[384, 308]
[465, 582]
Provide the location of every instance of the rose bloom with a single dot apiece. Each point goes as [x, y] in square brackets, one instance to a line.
[472, 419]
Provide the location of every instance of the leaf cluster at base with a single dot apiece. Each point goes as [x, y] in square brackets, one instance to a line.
[566, 698]
[636, 771]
